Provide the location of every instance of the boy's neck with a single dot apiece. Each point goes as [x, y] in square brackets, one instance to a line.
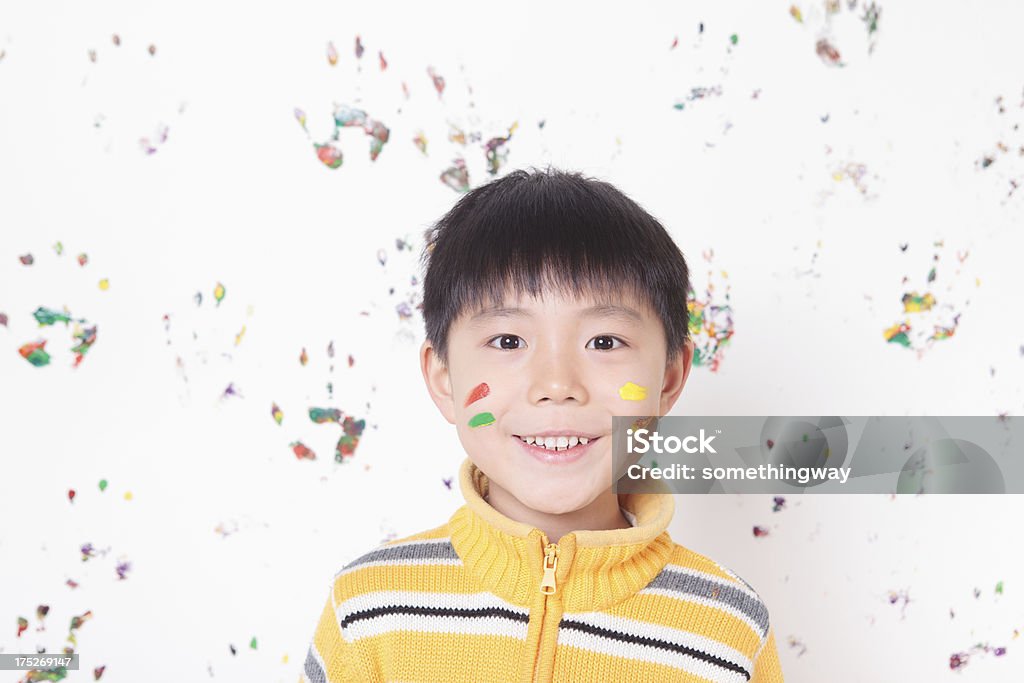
[602, 513]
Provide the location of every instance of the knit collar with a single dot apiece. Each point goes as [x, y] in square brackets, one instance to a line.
[596, 569]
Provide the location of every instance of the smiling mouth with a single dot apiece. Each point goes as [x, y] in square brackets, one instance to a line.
[556, 443]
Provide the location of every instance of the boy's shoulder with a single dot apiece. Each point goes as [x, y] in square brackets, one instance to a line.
[683, 558]
[689, 574]
[410, 557]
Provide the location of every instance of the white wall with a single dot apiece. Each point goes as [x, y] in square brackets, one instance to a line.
[236, 195]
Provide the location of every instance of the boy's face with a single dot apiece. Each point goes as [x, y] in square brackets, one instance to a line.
[559, 367]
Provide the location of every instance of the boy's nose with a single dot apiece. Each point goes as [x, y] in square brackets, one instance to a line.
[557, 380]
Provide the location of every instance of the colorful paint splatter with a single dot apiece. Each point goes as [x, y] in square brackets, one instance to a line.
[353, 431]
[959, 660]
[48, 316]
[495, 151]
[478, 392]
[828, 53]
[324, 415]
[927, 318]
[85, 338]
[35, 353]
[302, 452]
[481, 420]
[346, 117]
[456, 176]
[710, 324]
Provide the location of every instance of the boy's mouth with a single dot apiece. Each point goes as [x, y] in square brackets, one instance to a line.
[561, 443]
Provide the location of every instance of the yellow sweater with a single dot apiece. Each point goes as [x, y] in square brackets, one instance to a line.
[485, 598]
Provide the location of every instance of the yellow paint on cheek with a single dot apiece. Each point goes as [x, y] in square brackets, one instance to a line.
[632, 392]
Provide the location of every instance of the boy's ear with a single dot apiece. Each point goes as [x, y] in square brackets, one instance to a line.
[438, 381]
[676, 373]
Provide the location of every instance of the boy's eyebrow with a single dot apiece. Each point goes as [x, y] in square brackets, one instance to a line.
[623, 313]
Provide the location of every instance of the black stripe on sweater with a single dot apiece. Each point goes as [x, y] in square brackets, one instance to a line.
[478, 612]
[654, 642]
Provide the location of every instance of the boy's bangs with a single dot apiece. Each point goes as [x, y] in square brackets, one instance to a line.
[540, 280]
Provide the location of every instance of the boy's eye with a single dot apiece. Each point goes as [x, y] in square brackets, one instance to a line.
[605, 342]
[512, 342]
[507, 342]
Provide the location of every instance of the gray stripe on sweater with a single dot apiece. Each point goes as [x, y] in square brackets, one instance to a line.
[433, 550]
[314, 672]
[688, 584]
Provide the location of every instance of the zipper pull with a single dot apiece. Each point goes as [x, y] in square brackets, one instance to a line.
[547, 584]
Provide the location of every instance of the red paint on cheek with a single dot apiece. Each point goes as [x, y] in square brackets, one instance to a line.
[479, 391]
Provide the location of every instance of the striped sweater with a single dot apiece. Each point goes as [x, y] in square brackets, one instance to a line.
[485, 598]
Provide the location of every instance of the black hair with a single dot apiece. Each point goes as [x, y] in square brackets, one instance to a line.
[550, 229]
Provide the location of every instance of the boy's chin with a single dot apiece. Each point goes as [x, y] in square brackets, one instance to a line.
[556, 501]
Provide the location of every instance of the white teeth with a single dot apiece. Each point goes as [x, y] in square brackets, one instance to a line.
[556, 443]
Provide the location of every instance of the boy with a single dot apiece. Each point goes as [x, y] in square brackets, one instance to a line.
[552, 302]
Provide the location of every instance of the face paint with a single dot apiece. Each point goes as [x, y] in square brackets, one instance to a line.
[481, 420]
[479, 391]
[632, 392]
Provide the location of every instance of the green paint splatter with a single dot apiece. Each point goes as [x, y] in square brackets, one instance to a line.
[53, 674]
[103, 484]
[35, 353]
[252, 643]
[734, 39]
[481, 420]
[870, 18]
[897, 334]
[324, 415]
[48, 316]
[999, 588]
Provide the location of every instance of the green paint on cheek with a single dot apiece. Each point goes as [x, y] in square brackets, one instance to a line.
[481, 420]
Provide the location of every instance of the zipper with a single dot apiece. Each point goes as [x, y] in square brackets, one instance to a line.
[547, 588]
[547, 583]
